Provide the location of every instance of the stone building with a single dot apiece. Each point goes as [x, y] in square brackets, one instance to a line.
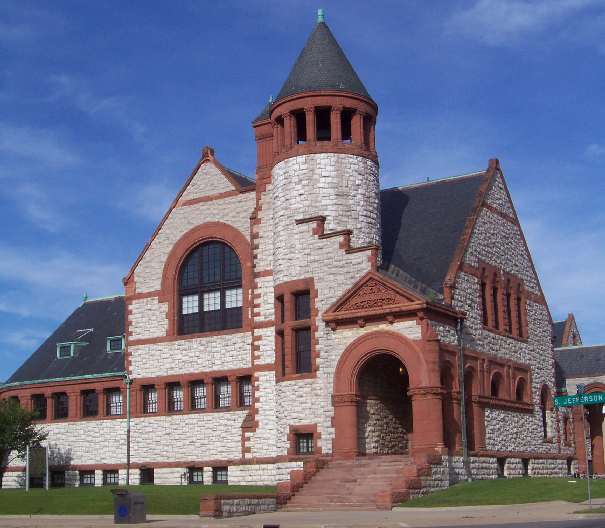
[276, 323]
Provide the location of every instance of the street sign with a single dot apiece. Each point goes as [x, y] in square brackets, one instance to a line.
[585, 399]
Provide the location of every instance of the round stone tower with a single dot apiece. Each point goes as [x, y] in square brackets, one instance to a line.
[323, 157]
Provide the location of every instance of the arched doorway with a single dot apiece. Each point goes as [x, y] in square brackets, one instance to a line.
[384, 409]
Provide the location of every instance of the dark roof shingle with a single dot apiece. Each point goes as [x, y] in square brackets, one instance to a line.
[106, 318]
[580, 361]
[322, 65]
[422, 226]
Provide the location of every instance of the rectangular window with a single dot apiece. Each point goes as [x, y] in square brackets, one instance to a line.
[146, 476]
[65, 350]
[220, 475]
[114, 402]
[245, 391]
[190, 304]
[57, 479]
[212, 301]
[150, 400]
[115, 344]
[233, 298]
[111, 477]
[222, 393]
[302, 306]
[175, 398]
[304, 444]
[90, 404]
[87, 478]
[198, 395]
[61, 406]
[39, 406]
[196, 476]
[303, 350]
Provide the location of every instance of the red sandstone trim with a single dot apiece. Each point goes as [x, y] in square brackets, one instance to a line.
[499, 213]
[214, 197]
[303, 429]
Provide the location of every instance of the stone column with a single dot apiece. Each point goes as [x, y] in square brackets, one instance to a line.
[234, 394]
[427, 413]
[311, 126]
[372, 145]
[186, 396]
[595, 417]
[335, 123]
[288, 119]
[344, 445]
[162, 389]
[357, 128]
[275, 128]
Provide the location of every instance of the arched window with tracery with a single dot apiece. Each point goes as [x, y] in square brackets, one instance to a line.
[210, 289]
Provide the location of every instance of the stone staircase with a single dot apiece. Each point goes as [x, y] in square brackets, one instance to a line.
[369, 482]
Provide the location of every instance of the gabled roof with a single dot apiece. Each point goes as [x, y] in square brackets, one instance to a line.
[561, 332]
[422, 226]
[106, 318]
[558, 329]
[579, 361]
[322, 65]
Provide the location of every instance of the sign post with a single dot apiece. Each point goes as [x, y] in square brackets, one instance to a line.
[581, 399]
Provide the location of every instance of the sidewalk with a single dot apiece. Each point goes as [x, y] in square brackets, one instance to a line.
[396, 518]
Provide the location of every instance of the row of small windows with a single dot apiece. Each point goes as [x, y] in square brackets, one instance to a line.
[111, 477]
[90, 404]
[210, 290]
[198, 400]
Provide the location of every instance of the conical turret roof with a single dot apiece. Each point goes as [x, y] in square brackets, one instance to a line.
[322, 65]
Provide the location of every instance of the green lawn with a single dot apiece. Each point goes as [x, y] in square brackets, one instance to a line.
[510, 491]
[161, 500]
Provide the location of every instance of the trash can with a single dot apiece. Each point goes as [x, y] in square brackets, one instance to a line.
[129, 507]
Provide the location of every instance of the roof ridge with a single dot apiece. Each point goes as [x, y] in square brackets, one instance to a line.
[428, 182]
[240, 174]
[103, 298]
[577, 346]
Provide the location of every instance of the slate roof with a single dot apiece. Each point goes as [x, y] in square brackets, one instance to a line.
[265, 114]
[242, 180]
[579, 361]
[558, 329]
[322, 65]
[422, 226]
[107, 319]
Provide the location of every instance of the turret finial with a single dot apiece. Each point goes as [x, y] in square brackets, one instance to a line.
[270, 98]
[320, 15]
[85, 297]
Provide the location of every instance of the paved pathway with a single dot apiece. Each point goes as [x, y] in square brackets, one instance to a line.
[396, 518]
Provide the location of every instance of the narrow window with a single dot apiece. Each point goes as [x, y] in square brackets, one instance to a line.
[519, 312]
[61, 406]
[222, 394]
[304, 444]
[520, 390]
[245, 391]
[147, 476]
[484, 300]
[301, 127]
[39, 406]
[345, 123]
[302, 306]
[198, 395]
[282, 352]
[175, 398]
[496, 301]
[220, 475]
[509, 308]
[87, 478]
[196, 475]
[90, 404]
[113, 402]
[150, 400]
[303, 350]
[495, 386]
[111, 477]
[324, 127]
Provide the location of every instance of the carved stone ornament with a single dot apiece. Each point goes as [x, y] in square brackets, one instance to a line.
[372, 295]
[345, 399]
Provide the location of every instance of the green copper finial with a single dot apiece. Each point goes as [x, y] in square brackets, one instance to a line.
[320, 15]
[85, 297]
[270, 98]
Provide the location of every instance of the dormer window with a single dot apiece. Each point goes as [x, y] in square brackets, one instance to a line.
[65, 350]
[115, 344]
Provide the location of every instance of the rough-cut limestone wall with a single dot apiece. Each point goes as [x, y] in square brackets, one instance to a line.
[262, 442]
[381, 427]
[208, 181]
[235, 210]
[148, 318]
[173, 438]
[514, 468]
[262, 474]
[200, 354]
[548, 468]
[497, 196]
[572, 383]
[247, 506]
[341, 187]
[446, 333]
[573, 331]
[482, 468]
[499, 243]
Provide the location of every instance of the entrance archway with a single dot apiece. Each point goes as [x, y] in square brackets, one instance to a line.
[425, 397]
[384, 409]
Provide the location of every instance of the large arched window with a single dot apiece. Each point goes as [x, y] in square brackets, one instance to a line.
[210, 290]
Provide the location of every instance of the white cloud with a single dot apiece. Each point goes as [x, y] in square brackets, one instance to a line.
[47, 146]
[595, 151]
[150, 201]
[505, 22]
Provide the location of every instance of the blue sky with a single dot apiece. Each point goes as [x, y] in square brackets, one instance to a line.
[105, 107]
